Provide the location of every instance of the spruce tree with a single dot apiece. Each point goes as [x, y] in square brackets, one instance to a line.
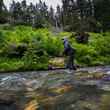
[102, 13]
[3, 12]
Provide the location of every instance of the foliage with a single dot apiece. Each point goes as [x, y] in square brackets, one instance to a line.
[35, 59]
[96, 52]
[32, 47]
[40, 44]
[3, 13]
[103, 6]
[13, 64]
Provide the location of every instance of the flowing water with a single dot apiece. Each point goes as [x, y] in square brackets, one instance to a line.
[85, 89]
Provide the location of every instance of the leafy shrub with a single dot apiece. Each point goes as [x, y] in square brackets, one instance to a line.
[85, 54]
[34, 61]
[96, 52]
[7, 64]
[2, 38]
[36, 45]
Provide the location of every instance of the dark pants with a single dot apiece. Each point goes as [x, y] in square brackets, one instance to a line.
[69, 61]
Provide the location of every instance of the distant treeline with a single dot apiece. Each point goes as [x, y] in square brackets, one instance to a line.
[73, 15]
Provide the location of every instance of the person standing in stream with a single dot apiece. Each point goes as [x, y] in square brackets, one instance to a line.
[69, 52]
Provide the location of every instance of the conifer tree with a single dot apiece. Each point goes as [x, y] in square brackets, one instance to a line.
[3, 12]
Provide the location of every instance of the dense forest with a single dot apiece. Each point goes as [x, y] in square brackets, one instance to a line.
[73, 15]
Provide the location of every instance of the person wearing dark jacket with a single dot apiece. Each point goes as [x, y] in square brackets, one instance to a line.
[69, 52]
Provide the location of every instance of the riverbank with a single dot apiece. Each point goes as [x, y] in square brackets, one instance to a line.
[58, 69]
[23, 48]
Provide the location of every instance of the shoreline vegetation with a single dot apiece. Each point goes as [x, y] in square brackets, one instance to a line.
[23, 48]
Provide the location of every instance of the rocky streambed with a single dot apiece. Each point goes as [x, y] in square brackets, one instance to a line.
[84, 89]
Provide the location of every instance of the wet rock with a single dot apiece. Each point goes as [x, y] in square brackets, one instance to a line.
[32, 105]
[7, 106]
[54, 80]
[85, 105]
[32, 85]
[107, 78]
[8, 101]
[60, 102]
[62, 89]
[108, 73]
[12, 83]
[106, 87]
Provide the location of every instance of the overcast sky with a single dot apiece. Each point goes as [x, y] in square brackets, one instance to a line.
[49, 2]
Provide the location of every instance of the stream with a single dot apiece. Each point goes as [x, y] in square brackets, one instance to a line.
[84, 89]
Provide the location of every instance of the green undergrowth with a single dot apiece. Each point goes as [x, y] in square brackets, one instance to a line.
[41, 44]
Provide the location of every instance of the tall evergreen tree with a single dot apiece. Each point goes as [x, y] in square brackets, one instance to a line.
[3, 12]
[41, 14]
[58, 17]
[102, 13]
[24, 12]
[16, 13]
[52, 16]
[78, 15]
[82, 5]
[31, 14]
[91, 7]
[70, 14]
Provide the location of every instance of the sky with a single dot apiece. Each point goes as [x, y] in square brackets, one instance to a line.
[49, 2]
